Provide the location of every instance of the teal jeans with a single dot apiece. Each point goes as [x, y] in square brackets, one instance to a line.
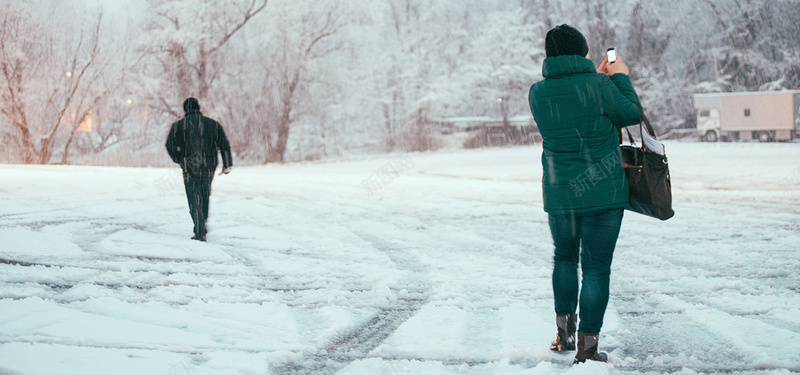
[588, 239]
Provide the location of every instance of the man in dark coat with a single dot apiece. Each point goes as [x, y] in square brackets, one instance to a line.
[193, 143]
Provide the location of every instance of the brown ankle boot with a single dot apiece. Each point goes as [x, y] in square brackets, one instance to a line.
[565, 337]
[587, 348]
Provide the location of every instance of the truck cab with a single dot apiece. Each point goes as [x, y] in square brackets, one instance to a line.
[708, 124]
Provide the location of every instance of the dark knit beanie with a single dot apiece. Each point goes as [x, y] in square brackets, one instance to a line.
[565, 40]
[190, 105]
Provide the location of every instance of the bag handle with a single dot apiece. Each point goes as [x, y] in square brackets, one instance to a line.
[630, 136]
[644, 123]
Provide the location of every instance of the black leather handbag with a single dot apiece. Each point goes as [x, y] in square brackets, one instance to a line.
[647, 170]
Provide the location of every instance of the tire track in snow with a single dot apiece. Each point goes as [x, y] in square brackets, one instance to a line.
[250, 277]
[358, 343]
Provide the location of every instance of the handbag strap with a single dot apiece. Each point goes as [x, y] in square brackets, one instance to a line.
[644, 122]
[630, 136]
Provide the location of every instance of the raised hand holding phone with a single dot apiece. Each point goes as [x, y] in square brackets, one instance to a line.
[609, 69]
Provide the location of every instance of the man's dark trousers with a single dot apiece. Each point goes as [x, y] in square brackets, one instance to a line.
[198, 189]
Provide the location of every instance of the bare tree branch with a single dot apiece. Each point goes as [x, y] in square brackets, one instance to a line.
[166, 107]
[250, 13]
[46, 141]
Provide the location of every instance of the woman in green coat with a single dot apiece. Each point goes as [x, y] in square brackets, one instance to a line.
[579, 111]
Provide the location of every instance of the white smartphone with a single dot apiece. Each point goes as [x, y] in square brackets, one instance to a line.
[612, 55]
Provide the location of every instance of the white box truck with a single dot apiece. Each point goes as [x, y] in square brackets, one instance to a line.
[766, 116]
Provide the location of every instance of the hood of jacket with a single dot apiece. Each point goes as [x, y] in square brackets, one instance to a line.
[193, 112]
[566, 65]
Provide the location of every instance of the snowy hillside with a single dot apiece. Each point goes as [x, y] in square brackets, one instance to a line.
[422, 263]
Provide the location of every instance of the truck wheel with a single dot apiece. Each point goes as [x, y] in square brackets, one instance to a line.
[711, 136]
[764, 137]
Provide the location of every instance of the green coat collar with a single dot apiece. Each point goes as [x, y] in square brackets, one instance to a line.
[566, 65]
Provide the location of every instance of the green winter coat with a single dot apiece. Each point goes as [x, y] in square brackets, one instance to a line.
[578, 112]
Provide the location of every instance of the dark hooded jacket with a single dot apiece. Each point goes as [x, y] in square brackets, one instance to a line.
[193, 143]
[578, 112]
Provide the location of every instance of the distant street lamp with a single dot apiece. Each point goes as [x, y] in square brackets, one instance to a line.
[506, 123]
[503, 109]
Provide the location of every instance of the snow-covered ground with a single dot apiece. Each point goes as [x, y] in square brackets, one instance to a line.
[433, 263]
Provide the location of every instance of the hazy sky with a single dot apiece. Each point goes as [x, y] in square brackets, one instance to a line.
[121, 8]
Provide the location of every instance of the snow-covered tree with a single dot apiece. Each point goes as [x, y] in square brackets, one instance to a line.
[409, 36]
[647, 42]
[182, 42]
[306, 32]
[282, 64]
[504, 59]
[756, 48]
[44, 72]
[299, 80]
[601, 31]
